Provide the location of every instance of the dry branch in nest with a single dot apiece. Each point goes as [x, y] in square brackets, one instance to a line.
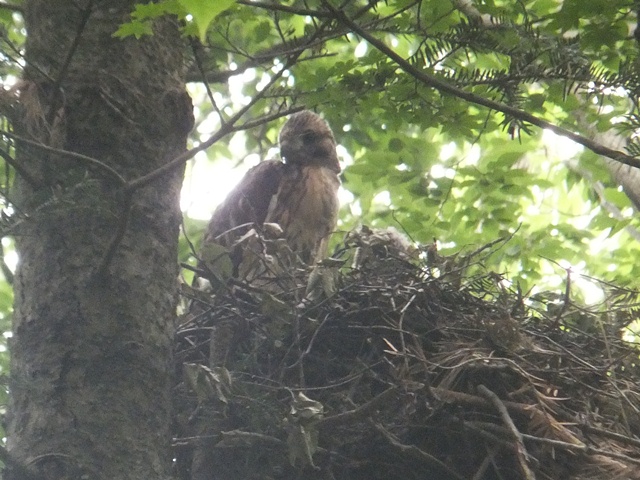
[390, 368]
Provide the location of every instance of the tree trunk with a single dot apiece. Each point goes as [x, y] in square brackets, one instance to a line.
[92, 333]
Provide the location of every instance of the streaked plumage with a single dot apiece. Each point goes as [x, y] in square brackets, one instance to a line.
[298, 193]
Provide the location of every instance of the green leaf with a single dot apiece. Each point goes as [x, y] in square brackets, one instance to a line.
[142, 16]
[395, 145]
[262, 31]
[134, 29]
[204, 13]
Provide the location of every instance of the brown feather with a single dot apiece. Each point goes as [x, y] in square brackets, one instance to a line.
[248, 202]
[306, 208]
[299, 194]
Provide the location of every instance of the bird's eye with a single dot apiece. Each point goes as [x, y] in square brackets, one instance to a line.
[309, 137]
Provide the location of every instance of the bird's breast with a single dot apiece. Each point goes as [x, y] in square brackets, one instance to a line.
[306, 207]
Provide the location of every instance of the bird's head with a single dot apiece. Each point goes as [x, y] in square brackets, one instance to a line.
[306, 139]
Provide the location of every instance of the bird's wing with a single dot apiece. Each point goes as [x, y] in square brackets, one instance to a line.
[248, 202]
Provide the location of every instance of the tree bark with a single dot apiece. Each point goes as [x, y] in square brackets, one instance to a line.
[92, 332]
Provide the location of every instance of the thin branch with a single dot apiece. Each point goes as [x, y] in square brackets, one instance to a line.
[223, 76]
[586, 449]
[71, 155]
[414, 452]
[599, 188]
[12, 6]
[117, 237]
[496, 433]
[606, 433]
[566, 301]
[269, 118]
[225, 129]
[15, 468]
[284, 8]
[362, 411]
[6, 271]
[196, 46]
[22, 171]
[296, 45]
[67, 61]
[472, 13]
[442, 86]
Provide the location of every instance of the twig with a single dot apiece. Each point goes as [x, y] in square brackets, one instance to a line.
[581, 448]
[360, 412]
[307, 350]
[534, 415]
[598, 188]
[192, 247]
[564, 349]
[445, 87]
[284, 8]
[496, 431]
[565, 302]
[195, 48]
[485, 463]
[269, 118]
[521, 451]
[403, 342]
[67, 61]
[17, 469]
[12, 6]
[117, 237]
[225, 129]
[283, 49]
[495, 434]
[6, 271]
[71, 155]
[240, 437]
[606, 433]
[416, 452]
[472, 13]
[20, 169]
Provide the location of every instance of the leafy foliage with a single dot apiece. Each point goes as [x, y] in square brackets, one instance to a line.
[431, 163]
[441, 166]
[200, 14]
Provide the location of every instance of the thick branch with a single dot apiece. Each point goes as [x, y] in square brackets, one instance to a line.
[12, 6]
[442, 86]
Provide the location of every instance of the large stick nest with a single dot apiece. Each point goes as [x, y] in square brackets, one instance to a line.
[387, 368]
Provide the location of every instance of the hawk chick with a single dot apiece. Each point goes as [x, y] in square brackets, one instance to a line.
[299, 193]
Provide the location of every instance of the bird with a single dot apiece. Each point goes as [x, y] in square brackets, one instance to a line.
[298, 192]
